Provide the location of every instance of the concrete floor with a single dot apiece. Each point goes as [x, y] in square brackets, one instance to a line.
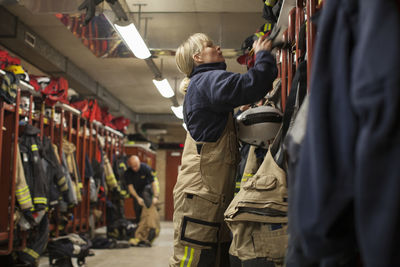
[156, 256]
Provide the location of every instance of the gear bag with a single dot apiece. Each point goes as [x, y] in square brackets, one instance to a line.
[62, 249]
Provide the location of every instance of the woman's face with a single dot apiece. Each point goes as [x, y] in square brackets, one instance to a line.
[210, 54]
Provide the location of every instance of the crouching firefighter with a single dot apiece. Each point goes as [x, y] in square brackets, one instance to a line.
[206, 180]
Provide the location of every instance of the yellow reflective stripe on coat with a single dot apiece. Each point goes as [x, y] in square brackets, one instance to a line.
[259, 34]
[21, 189]
[191, 257]
[270, 2]
[111, 181]
[31, 252]
[267, 27]
[28, 197]
[64, 188]
[184, 257]
[123, 166]
[21, 202]
[61, 181]
[111, 176]
[24, 199]
[40, 200]
[246, 176]
[187, 261]
[34, 147]
[62, 184]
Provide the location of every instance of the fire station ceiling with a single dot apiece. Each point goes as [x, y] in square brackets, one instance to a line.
[163, 24]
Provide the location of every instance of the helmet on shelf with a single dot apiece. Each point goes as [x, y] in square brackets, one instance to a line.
[18, 71]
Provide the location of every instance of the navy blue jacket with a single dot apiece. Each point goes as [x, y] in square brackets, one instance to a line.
[214, 92]
[347, 184]
[139, 179]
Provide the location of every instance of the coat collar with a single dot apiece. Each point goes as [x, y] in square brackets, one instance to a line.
[208, 67]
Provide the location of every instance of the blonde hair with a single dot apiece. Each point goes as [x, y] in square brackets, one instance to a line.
[184, 56]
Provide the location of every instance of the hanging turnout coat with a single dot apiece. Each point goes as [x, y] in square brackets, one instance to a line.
[57, 182]
[31, 154]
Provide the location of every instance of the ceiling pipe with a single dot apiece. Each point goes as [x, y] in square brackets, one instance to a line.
[118, 10]
[153, 67]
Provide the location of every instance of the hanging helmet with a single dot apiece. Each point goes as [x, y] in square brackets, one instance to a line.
[18, 71]
[72, 94]
[43, 81]
[258, 126]
[25, 103]
[48, 112]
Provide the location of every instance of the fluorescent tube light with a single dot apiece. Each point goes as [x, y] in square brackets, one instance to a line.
[133, 40]
[178, 111]
[156, 131]
[164, 88]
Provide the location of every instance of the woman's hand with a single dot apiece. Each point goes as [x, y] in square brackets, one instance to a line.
[262, 44]
[245, 107]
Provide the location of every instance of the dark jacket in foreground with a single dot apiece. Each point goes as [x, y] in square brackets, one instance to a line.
[346, 188]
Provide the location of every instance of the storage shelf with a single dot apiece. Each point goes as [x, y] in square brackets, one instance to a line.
[108, 128]
[9, 107]
[68, 108]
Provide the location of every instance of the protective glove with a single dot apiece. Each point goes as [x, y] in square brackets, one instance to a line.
[29, 217]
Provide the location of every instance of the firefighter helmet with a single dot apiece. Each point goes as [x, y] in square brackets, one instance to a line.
[18, 71]
[258, 126]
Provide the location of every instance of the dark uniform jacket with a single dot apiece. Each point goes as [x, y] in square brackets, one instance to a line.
[214, 92]
[31, 154]
[56, 180]
[139, 179]
[346, 188]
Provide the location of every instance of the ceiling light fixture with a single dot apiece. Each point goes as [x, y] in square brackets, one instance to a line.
[164, 88]
[178, 111]
[133, 40]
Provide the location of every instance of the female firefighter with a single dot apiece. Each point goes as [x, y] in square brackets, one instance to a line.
[206, 180]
